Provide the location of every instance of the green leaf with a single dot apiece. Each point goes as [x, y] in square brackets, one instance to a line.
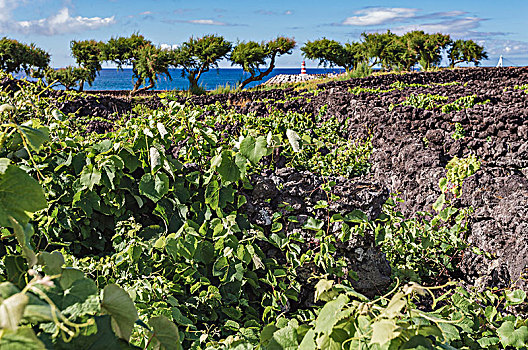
[227, 168]
[294, 139]
[12, 311]
[514, 297]
[103, 146]
[90, 176]
[313, 224]
[23, 338]
[154, 187]
[509, 336]
[156, 161]
[418, 342]
[117, 303]
[384, 331]
[99, 336]
[20, 195]
[440, 202]
[69, 276]
[395, 306]
[488, 342]
[356, 216]
[328, 316]
[34, 137]
[212, 194]
[52, 262]
[308, 342]
[165, 333]
[284, 339]
[321, 287]
[23, 236]
[254, 149]
[179, 318]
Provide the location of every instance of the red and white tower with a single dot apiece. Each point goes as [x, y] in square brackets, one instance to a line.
[303, 68]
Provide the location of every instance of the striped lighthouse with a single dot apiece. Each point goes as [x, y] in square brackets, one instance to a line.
[303, 68]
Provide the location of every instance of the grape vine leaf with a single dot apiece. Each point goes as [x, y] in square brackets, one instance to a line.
[154, 187]
[254, 149]
[35, 137]
[384, 331]
[294, 139]
[509, 336]
[328, 316]
[12, 311]
[23, 338]
[118, 304]
[227, 168]
[90, 176]
[165, 333]
[20, 195]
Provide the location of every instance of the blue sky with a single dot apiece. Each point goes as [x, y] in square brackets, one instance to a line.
[501, 26]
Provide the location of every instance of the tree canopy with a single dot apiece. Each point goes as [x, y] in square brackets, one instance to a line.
[252, 55]
[329, 53]
[147, 61]
[466, 51]
[89, 55]
[198, 55]
[16, 57]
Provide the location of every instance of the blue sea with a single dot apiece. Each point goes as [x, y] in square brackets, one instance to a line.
[112, 79]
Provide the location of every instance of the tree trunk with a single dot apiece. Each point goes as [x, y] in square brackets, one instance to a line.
[259, 77]
[137, 84]
[144, 88]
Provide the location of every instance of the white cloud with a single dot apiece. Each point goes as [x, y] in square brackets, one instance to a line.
[460, 26]
[209, 22]
[508, 48]
[169, 46]
[60, 23]
[288, 12]
[146, 13]
[379, 15]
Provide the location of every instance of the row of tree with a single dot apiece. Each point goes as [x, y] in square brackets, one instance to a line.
[195, 57]
[395, 52]
[198, 55]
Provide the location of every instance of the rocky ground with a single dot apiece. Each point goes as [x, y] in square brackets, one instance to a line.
[413, 145]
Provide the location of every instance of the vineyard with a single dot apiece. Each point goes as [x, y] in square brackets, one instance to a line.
[386, 212]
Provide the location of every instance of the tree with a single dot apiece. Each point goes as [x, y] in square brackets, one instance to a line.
[199, 55]
[68, 77]
[252, 55]
[147, 61]
[150, 61]
[89, 55]
[378, 48]
[466, 51]
[356, 53]
[430, 53]
[330, 53]
[16, 57]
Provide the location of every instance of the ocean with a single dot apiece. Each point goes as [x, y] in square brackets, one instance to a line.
[112, 79]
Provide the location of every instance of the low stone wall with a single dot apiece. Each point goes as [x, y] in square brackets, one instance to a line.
[295, 78]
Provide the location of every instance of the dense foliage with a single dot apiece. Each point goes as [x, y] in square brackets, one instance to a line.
[198, 55]
[16, 57]
[140, 238]
[88, 55]
[394, 52]
[252, 55]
